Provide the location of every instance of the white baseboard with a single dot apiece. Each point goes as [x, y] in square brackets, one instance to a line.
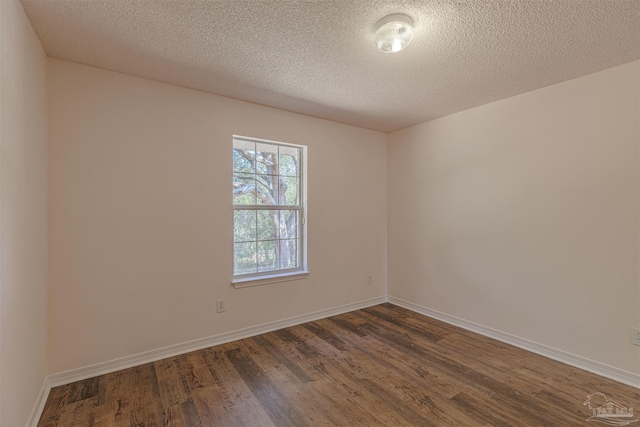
[36, 413]
[598, 368]
[177, 349]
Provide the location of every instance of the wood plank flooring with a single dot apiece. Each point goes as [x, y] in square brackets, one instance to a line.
[380, 366]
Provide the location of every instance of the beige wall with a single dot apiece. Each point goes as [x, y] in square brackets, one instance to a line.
[23, 215]
[140, 215]
[523, 215]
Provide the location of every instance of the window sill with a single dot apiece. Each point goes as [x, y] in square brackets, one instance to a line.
[265, 280]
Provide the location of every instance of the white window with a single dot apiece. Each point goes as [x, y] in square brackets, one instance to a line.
[268, 204]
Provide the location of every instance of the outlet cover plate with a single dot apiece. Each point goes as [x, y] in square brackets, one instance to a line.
[220, 306]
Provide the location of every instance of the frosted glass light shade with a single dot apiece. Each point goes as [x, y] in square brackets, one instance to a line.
[393, 33]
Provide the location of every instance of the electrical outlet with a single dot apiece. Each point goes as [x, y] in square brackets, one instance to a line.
[370, 279]
[635, 337]
[221, 306]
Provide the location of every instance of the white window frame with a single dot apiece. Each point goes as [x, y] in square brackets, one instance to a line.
[279, 275]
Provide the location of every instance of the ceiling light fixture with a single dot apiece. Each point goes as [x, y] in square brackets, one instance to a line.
[393, 33]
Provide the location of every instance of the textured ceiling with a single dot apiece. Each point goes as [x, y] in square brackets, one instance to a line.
[318, 57]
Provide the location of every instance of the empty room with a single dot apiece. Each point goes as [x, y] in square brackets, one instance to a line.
[319, 213]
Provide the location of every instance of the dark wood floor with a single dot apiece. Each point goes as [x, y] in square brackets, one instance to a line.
[381, 366]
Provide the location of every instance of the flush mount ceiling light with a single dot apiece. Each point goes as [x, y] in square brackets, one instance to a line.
[393, 33]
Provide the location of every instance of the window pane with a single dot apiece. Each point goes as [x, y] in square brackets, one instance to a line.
[244, 157]
[267, 189]
[267, 225]
[290, 186]
[289, 159]
[244, 226]
[266, 175]
[244, 258]
[288, 221]
[267, 159]
[244, 189]
[268, 255]
[289, 253]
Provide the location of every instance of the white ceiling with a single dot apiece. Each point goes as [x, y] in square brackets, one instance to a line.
[318, 57]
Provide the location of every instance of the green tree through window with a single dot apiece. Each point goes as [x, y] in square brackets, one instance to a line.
[267, 199]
